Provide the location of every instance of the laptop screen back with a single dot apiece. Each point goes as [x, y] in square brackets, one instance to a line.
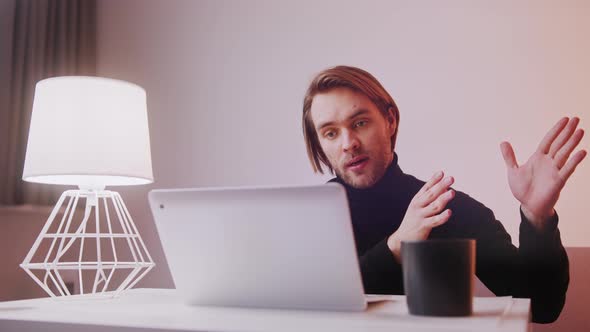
[261, 247]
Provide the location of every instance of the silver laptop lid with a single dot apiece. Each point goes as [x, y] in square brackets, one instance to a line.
[287, 247]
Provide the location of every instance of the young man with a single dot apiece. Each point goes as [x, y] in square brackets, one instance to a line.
[350, 125]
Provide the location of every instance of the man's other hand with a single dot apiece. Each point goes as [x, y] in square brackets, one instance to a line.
[424, 213]
[538, 183]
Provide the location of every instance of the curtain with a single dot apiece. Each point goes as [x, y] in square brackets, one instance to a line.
[49, 38]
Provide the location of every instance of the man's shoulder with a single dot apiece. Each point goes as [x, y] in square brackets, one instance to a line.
[461, 200]
[411, 183]
[463, 204]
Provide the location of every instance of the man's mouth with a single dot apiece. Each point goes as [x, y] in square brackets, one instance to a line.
[357, 163]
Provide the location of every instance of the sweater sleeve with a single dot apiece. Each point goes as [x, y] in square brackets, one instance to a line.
[538, 270]
[546, 267]
[381, 273]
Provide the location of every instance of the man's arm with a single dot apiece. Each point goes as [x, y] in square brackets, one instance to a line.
[538, 270]
[545, 263]
[542, 262]
[381, 272]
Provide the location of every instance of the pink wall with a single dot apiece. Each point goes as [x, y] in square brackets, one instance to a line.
[225, 81]
[19, 227]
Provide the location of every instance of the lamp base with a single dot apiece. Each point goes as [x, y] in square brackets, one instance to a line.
[101, 254]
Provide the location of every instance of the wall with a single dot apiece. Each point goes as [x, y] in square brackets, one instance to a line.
[225, 81]
[6, 27]
[19, 227]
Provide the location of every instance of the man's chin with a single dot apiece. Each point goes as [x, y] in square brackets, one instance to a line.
[367, 177]
[359, 182]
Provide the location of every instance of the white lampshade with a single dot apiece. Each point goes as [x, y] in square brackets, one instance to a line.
[88, 131]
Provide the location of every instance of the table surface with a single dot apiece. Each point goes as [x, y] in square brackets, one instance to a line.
[162, 309]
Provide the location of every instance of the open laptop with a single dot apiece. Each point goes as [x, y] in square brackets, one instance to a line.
[269, 247]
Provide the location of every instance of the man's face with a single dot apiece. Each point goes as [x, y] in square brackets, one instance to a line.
[354, 135]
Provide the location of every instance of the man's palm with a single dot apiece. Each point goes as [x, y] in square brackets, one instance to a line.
[538, 183]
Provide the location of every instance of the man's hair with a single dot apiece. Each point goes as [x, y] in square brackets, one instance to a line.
[351, 78]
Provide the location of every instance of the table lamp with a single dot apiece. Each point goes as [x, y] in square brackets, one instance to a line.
[89, 132]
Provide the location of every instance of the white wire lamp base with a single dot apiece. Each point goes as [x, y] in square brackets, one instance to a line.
[100, 255]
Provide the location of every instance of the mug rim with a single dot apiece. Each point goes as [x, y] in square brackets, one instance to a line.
[428, 241]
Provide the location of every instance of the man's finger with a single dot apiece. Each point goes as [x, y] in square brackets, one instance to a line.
[438, 205]
[568, 169]
[434, 192]
[439, 219]
[563, 136]
[545, 144]
[508, 155]
[436, 177]
[564, 153]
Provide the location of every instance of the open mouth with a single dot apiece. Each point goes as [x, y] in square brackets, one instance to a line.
[357, 162]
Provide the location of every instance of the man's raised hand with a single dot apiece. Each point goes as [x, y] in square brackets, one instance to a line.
[426, 211]
[538, 183]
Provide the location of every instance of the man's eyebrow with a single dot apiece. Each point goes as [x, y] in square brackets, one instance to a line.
[361, 111]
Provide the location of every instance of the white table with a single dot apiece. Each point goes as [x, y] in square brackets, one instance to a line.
[161, 309]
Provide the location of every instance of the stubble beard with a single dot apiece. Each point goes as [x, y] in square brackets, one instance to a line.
[368, 178]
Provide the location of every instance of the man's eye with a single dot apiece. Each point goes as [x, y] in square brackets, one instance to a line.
[361, 123]
[330, 134]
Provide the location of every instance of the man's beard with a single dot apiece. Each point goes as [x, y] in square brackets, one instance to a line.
[370, 177]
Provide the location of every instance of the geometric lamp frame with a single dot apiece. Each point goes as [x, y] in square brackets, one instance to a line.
[102, 251]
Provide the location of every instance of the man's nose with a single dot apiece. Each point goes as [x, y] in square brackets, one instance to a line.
[350, 141]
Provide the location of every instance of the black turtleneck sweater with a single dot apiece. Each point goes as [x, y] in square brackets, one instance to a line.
[538, 270]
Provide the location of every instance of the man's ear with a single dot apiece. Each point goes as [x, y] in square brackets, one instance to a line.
[391, 119]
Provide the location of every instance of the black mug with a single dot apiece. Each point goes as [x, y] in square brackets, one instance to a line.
[439, 276]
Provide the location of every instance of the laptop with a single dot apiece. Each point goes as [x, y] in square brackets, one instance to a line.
[263, 247]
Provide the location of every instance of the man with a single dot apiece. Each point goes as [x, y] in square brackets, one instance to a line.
[350, 125]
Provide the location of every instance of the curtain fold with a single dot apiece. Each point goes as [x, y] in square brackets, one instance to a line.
[50, 38]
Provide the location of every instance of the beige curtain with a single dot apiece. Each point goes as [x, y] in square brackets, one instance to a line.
[49, 38]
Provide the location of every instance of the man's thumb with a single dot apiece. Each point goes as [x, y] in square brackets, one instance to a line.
[508, 155]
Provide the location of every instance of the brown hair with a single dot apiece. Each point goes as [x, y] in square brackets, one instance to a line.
[352, 78]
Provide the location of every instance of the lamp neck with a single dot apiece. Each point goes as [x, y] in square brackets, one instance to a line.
[91, 187]
[92, 193]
